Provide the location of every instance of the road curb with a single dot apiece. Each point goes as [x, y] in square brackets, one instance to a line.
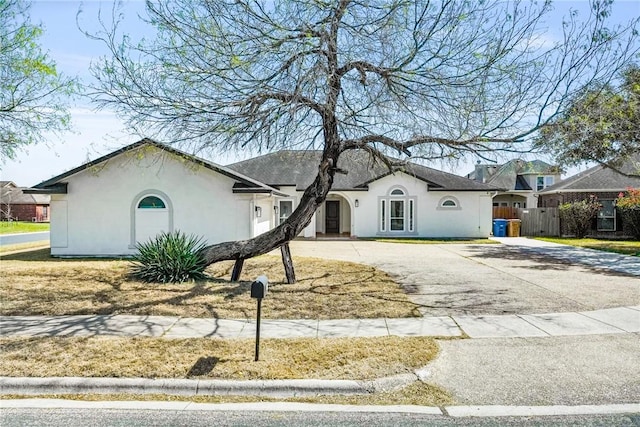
[195, 387]
[450, 411]
[181, 387]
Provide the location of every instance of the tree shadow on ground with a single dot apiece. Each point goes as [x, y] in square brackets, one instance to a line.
[543, 259]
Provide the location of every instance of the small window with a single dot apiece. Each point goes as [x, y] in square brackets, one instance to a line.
[543, 182]
[607, 216]
[411, 226]
[286, 208]
[451, 203]
[397, 192]
[151, 202]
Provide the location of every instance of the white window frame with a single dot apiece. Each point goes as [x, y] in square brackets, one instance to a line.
[445, 204]
[394, 219]
[397, 194]
[547, 181]
[279, 219]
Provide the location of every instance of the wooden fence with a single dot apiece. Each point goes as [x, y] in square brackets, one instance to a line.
[505, 212]
[539, 222]
[534, 221]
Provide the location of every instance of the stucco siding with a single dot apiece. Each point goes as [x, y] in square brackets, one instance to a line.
[471, 218]
[101, 203]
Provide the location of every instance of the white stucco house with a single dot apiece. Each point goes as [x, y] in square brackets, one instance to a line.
[105, 207]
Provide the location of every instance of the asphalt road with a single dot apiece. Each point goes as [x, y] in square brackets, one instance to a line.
[132, 418]
[13, 239]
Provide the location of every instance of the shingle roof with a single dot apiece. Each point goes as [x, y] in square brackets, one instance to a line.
[602, 178]
[299, 168]
[16, 196]
[509, 174]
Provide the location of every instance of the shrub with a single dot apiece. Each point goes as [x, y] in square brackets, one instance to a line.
[629, 207]
[169, 258]
[578, 215]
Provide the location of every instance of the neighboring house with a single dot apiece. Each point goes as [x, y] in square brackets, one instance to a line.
[603, 182]
[520, 181]
[15, 205]
[107, 206]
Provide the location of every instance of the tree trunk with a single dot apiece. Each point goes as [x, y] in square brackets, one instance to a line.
[237, 270]
[311, 199]
[288, 263]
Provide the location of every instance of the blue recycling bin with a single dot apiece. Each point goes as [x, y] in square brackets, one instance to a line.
[500, 227]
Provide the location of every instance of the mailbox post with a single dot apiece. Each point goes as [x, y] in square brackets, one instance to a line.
[259, 291]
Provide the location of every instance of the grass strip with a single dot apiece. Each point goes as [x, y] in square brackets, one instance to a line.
[19, 247]
[431, 241]
[327, 358]
[625, 247]
[15, 227]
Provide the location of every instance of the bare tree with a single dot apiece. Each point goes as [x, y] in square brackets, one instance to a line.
[420, 78]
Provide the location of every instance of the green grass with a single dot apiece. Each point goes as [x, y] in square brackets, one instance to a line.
[13, 227]
[432, 241]
[626, 247]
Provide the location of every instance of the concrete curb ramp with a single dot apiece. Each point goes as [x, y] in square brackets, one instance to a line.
[451, 411]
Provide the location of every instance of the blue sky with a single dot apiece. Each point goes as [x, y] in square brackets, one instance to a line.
[99, 132]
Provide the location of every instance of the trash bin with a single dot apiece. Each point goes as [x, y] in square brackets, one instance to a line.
[513, 229]
[499, 227]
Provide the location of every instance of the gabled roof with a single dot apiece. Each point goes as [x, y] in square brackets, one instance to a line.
[509, 175]
[601, 178]
[299, 169]
[58, 185]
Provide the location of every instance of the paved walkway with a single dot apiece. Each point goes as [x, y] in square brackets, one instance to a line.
[618, 320]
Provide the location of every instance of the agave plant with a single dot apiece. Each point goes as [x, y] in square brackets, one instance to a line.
[169, 258]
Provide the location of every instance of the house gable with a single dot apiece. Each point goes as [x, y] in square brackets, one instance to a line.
[138, 150]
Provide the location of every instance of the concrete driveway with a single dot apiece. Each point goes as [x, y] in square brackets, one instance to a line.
[459, 279]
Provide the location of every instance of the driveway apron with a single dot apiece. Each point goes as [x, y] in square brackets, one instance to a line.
[491, 279]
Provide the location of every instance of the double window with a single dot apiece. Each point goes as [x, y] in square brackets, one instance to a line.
[397, 212]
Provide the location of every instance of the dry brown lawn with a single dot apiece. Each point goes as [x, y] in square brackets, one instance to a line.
[334, 358]
[33, 283]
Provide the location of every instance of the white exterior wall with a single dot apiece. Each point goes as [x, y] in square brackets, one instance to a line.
[472, 217]
[101, 203]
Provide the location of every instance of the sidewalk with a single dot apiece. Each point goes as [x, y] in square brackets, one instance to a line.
[617, 320]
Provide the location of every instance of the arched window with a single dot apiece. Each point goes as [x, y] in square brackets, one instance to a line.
[151, 202]
[397, 192]
[449, 203]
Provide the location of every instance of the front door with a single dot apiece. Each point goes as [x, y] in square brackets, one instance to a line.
[332, 223]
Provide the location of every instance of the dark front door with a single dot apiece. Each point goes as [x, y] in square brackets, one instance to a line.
[333, 217]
